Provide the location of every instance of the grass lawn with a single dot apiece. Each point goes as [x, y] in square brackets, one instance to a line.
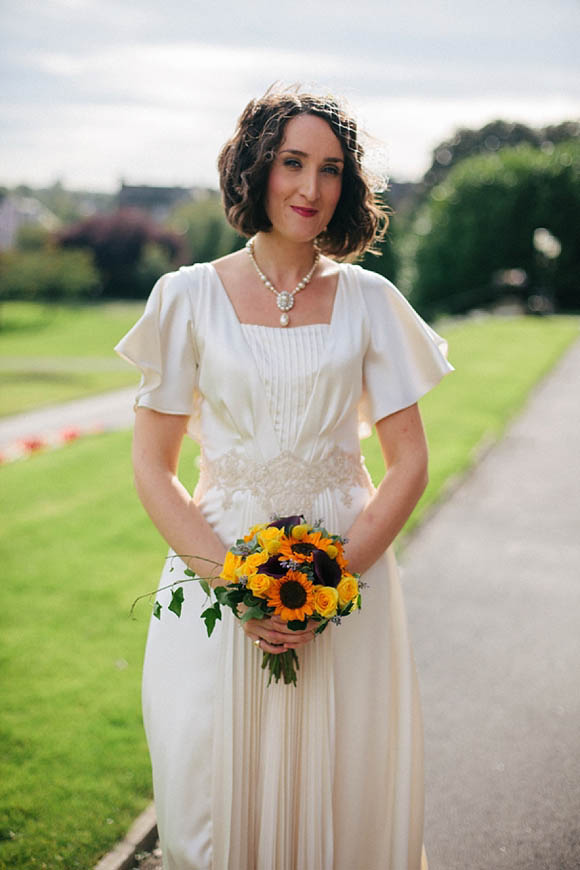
[54, 353]
[77, 548]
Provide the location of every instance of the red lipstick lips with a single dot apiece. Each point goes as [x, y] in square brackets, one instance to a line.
[304, 212]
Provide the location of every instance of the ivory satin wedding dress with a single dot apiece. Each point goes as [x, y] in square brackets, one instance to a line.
[327, 775]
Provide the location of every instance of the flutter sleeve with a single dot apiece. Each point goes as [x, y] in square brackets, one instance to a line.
[162, 346]
[405, 357]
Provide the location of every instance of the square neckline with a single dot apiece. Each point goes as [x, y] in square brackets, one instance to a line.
[339, 292]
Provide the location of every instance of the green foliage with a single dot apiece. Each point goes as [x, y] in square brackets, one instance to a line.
[47, 275]
[489, 139]
[154, 262]
[387, 261]
[202, 224]
[210, 616]
[33, 237]
[480, 222]
[177, 599]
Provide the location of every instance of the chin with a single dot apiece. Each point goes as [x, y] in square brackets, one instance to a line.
[299, 235]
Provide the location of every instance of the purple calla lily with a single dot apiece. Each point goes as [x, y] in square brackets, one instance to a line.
[326, 570]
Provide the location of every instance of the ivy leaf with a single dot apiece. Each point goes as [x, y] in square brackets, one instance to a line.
[157, 610]
[210, 617]
[221, 593]
[236, 594]
[253, 613]
[177, 599]
[205, 586]
[189, 573]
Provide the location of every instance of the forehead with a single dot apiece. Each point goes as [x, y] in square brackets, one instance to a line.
[310, 133]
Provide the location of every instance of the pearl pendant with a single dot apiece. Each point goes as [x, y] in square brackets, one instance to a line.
[284, 300]
[284, 319]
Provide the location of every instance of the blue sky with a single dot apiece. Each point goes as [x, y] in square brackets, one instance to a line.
[98, 90]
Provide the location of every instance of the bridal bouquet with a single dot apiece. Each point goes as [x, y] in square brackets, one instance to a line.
[288, 568]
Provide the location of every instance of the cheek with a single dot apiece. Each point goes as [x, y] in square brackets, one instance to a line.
[275, 187]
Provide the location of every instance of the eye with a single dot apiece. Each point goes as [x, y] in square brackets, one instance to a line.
[331, 169]
[292, 162]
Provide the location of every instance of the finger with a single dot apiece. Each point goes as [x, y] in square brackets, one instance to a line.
[275, 648]
[293, 642]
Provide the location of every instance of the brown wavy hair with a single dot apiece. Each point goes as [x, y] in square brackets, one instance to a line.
[360, 219]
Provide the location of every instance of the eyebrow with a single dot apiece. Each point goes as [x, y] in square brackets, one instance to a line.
[304, 154]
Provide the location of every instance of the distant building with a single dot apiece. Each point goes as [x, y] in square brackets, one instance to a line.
[17, 211]
[156, 201]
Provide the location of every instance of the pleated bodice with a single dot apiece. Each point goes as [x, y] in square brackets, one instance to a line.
[287, 361]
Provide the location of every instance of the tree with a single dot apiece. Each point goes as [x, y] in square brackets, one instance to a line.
[386, 260]
[489, 139]
[119, 242]
[48, 275]
[204, 228]
[477, 229]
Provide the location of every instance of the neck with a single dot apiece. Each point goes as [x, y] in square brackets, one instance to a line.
[283, 262]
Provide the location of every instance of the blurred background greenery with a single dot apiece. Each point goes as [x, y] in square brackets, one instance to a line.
[494, 220]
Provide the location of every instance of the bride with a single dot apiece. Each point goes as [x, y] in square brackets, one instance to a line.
[268, 357]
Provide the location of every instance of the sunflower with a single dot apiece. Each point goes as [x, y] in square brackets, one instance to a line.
[303, 550]
[292, 596]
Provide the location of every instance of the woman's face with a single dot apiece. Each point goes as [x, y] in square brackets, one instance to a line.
[305, 180]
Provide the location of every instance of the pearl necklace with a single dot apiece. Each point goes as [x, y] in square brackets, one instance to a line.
[284, 299]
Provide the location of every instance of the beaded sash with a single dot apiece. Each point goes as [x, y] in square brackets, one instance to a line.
[287, 480]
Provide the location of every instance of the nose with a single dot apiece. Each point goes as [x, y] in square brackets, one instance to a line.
[310, 185]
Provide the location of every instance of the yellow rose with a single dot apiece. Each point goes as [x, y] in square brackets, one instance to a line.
[331, 551]
[231, 565]
[325, 601]
[251, 564]
[298, 532]
[271, 540]
[347, 590]
[260, 584]
[254, 530]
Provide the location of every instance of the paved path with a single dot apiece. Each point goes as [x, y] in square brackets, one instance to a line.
[492, 584]
[113, 410]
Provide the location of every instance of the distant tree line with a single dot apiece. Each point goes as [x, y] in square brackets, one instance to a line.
[465, 236]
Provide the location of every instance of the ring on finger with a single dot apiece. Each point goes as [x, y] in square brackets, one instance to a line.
[256, 642]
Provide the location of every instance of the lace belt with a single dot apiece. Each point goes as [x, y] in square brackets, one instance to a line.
[287, 482]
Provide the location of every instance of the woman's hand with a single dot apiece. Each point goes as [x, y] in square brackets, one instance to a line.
[275, 636]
